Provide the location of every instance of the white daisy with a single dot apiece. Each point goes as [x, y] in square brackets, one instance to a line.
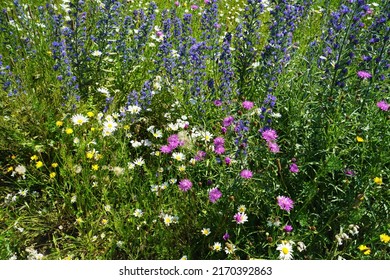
[286, 250]
[217, 246]
[178, 156]
[79, 119]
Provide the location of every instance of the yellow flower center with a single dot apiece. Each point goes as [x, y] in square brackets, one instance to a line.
[285, 251]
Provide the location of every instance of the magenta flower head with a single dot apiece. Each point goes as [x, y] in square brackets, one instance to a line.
[214, 195]
[217, 103]
[177, 4]
[273, 147]
[223, 130]
[185, 185]
[219, 141]
[383, 105]
[219, 150]
[288, 228]
[226, 236]
[364, 75]
[240, 218]
[165, 149]
[200, 155]
[194, 7]
[207, 1]
[228, 121]
[294, 168]
[269, 135]
[285, 203]
[247, 105]
[246, 174]
[228, 160]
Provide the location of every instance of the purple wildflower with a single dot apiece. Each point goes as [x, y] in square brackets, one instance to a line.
[228, 121]
[219, 141]
[214, 195]
[223, 130]
[364, 75]
[217, 103]
[273, 147]
[200, 155]
[383, 105]
[226, 236]
[228, 160]
[349, 172]
[247, 105]
[240, 218]
[288, 228]
[219, 150]
[294, 168]
[165, 149]
[285, 203]
[194, 7]
[185, 185]
[246, 174]
[269, 135]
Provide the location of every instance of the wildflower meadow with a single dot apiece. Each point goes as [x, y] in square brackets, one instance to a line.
[194, 129]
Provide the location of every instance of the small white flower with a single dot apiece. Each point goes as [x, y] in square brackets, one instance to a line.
[107, 208]
[217, 246]
[205, 231]
[138, 213]
[79, 119]
[134, 109]
[301, 246]
[139, 161]
[97, 53]
[286, 250]
[230, 248]
[23, 192]
[168, 219]
[178, 156]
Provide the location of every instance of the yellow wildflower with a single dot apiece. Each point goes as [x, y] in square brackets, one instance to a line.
[10, 169]
[126, 127]
[59, 123]
[13, 157]
[90, 155]
[384, 238]
[378, 180]
[95, 167]
[52, 175]
[34, 157]
[363, 247]
[90, 114]
[93, 129]
[367, 252]
[39, 164]
[68, 130]
[359, 139]
[54, 165]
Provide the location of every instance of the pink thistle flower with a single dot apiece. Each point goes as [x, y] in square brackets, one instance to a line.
[273, 147]
[177, 4]
[240, 218]
[185, 185]
[219, 141]
[364, 75]
[194, 7]
[383, 105]
[285, 203]
[228, 160]
[214, 195]
[217, 103]
[269, 135]
[294, 168]
[219, 150]
[200, 155]
[223, 130]
[288, 228]
[165, 149]
[247, 105]
[228, 121]
[246, 174]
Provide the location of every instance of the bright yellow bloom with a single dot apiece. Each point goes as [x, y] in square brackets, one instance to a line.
[367, 252]
[104, 222]
[54, 164]
[34, 157]
[378, 180]
[93, 129]
[90, 155]
[90, 114]
[13, 156]
[68, 130]
[126, 127]
[95, 167]
[39, 164]
[10, 169]
[52, 175]
[359, 139]
[59, 123]
[157, 153]
[363, 247]
[384, 238]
